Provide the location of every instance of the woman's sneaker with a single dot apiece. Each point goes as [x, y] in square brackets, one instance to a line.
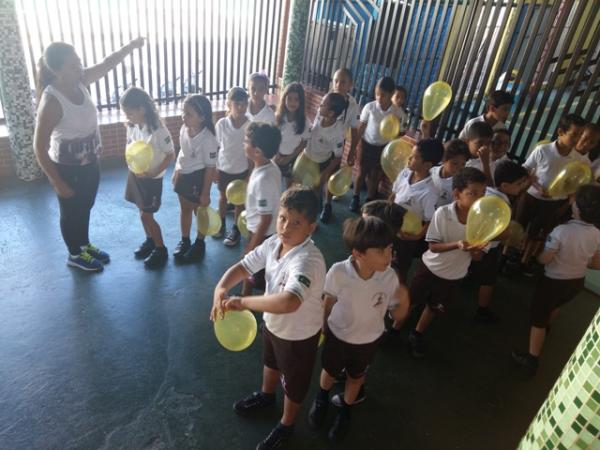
[85, 261]
[256, 400]
[95, 252]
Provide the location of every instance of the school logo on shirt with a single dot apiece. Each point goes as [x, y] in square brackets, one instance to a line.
[168, 140]
[340, 144]
[549, 239]
[213, 155]
[262, 203]
[378, 299]
[304, 280]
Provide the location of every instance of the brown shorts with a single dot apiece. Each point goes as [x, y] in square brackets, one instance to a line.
[428, 288]
[540, 215]
[295, 361]
[226, 178]
[189, 185]
[146, 193]
[551, 294]
[485, 271]
[370, 156]
[338, 355]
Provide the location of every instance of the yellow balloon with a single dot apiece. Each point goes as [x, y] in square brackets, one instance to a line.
[544, 142]
[242, 225]
[339, 182]
[435, 99]
[516, 234]
[389, 128]
[236, 192]
[305, 171]
[568, 180]
[488, 217]
[394, 157]
[209, 222]
[411, 223]
[139, 156]
[236, 330]
[321, 340]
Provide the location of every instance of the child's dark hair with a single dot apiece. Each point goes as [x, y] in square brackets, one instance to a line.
[53, 59]
[363, 233]
[499, 98]
[236, 94]
[346, 72]
[466, 176]
[264, 136]
[595, 128]
[386, 84]
[134, 97]
[390, 212]
[300, 116]
[454, 148]
[567, 120]
[337, 103]
[479, 130]
[502, 131]
[257, 76]
[202, 106]
[587, 199]
[302, 200]
[401, 89]
[508, 171]
[431, 150]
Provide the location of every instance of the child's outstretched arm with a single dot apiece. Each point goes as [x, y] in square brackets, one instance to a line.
[284, 302]
[234, 275]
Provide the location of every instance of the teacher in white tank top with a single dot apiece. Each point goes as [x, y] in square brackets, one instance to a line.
[67, 143]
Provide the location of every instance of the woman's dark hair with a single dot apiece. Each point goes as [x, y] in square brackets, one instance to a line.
[300, 117]
[337, 103]
[203, 108]
[53, 59]
[134, 97]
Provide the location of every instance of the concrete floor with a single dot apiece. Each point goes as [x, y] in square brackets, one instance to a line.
[128, 359]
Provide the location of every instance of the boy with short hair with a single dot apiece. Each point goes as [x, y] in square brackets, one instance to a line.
[389, 212]
[292, 307]
[414, 190]
[264, 189]
[511, 180]
[537, 211]
[496, 114]
[479, 139]
[588, 145]
[456, 155]
[358, 293]
[447, 261]
[570, 250]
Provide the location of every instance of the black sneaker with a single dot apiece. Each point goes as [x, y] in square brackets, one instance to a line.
[158, 258]
[196, 251]
[326, 213]
[528, 269]
[276, 438]
[340, 426]
[528, 362]
[317, 413]
[256, 400]
[416, 345]
[221, 233]
[486, 315]
[355, 204]
[233, 237]
[144, 250]
[361, 397]
[182, 247]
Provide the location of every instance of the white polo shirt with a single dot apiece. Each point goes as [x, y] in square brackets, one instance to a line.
[420, 197]
[196, 152]
[262, 196]
[501, 195]
[546, 163]
[351, 116]
[477, 164]
[325, 142]
[445, 227]
[231, 158]
[372, 115]
[465, 131]
[159, 139]
[443, 185]
[265, 115]
[576, 242]
[357, 316]
[300, 271]
[290, 140]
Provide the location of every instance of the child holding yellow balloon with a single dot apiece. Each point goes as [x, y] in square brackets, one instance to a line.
[569, 251]
[380, 122]
[232, 163]
[194, 171]
[145, 189]
[293, 311]
[446, 263]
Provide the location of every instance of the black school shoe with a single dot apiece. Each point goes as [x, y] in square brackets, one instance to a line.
[144, 250]
[416, 345]
[182, 247]
[254, 401]
[158, 258]
[276, 438]
[195, 252]
[340, 426]
[317, 413]
[526, 361]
